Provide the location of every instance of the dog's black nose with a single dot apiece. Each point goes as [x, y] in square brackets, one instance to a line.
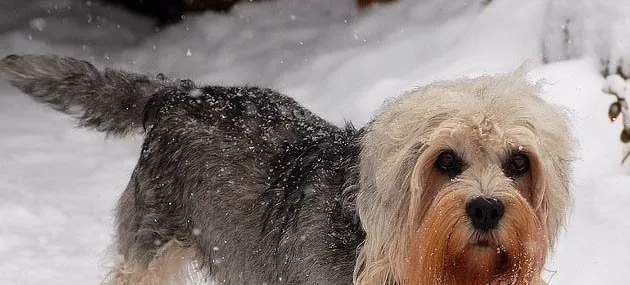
[485, 213]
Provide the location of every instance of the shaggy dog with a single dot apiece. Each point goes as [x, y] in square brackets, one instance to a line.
[462, 182]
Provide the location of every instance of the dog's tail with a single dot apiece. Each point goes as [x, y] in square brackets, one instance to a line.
[110, 101]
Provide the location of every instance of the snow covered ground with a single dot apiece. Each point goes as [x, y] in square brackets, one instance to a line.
[58, 184]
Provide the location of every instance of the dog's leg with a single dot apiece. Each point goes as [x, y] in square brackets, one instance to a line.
[167, 267]
[152, 244]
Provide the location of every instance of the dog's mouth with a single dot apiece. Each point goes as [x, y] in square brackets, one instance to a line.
[486, 244]
[483, 243]
[483, 261]
[500, 257]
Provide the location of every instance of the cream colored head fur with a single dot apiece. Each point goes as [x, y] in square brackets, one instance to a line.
[483, 119]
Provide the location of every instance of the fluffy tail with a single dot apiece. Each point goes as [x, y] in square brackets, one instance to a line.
[110, 101]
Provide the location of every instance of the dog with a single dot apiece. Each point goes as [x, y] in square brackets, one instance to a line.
[458, 182]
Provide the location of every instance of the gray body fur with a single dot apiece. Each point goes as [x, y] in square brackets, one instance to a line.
[258, 187]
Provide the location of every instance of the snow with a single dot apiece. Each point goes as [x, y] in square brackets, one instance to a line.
[59, 184]
[594, 248]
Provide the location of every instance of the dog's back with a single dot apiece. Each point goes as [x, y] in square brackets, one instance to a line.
[238, 178]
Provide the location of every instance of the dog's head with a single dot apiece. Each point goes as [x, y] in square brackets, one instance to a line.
[463, 182]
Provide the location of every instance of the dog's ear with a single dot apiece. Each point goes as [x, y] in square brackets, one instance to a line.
[110, 101]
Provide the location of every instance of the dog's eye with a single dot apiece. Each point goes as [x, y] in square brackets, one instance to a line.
[448, 163]
[518, 165]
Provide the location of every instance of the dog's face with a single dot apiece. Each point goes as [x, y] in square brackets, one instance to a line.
[481, 183]
[477, 192]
